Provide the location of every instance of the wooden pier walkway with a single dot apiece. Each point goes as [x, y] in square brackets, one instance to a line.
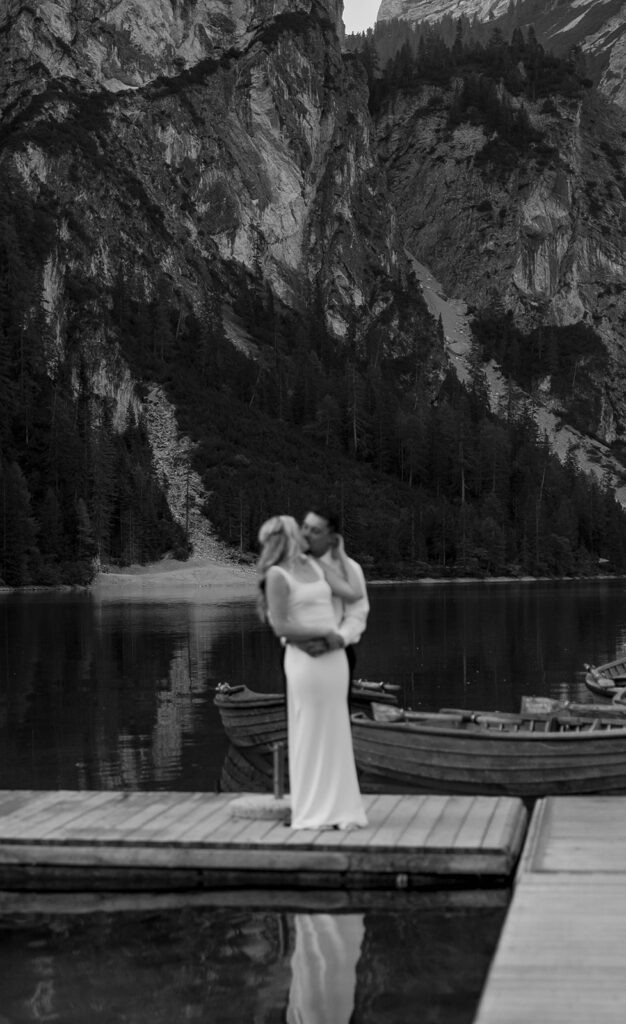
[561, 958]
[120, 841]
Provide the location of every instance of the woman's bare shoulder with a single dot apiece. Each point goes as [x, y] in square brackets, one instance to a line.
[276, 572]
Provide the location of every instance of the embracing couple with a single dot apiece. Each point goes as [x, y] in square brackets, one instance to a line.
[314, 598]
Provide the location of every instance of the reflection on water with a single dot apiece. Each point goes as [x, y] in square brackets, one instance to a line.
[323, 968]
[202, 964]
[119, 693]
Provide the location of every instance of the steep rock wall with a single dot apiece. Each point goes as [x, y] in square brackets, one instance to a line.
[242, 139]
[544, 238]
[128, 44]
[181, 149]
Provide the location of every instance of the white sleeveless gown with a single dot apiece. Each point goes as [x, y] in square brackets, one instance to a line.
[323, 779]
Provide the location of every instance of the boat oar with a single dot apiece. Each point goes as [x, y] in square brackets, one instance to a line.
[366, 684]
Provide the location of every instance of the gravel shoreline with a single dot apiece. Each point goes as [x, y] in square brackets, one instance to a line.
[198, 573]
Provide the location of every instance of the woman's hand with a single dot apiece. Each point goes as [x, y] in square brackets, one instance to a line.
[313, 647]
[335, 641]
[337, 547]
[321, 645]
[341, 577]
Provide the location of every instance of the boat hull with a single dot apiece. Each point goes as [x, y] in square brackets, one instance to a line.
[257, 721]
[456, 761]
[607, 680]
[249, 771]
[255, 724]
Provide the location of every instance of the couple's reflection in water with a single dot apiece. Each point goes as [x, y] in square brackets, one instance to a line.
[327, 947]
[324, 967]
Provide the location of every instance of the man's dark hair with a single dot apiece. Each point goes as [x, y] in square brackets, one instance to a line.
[329, 515]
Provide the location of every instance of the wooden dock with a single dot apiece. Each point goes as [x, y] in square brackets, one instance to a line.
[561, 955]
[121, 841]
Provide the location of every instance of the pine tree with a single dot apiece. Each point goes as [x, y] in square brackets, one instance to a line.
[17, 527]
[86, 541]
[7, 392]
[51, 534]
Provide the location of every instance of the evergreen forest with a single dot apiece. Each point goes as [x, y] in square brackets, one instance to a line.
[428, 481]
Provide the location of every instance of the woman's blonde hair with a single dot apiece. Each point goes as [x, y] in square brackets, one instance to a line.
[279, 538]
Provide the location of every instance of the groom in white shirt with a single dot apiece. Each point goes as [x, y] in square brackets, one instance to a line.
[320, 530]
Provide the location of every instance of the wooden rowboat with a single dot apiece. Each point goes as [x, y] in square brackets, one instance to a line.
[553, 706]
[527, 755]
[259, 720]
[248, 771]
[607, 680]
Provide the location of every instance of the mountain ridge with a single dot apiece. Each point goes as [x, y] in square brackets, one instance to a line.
[208, 312]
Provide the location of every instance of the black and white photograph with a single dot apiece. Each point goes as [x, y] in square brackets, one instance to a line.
[312, 511]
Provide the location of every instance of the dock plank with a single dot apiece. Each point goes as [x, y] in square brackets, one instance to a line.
[224, 829]
[423, 821]
[178, 814]
[276, 835]
[581, 834]
[32, 805]
[205, 817]
[16, 801]
[56, 814]
[255, 831]
[499, 820]
[341, 837]
[560, 959]
[476, 824]
[380, 817]
[321, 901]
[215, 858]
[113, 818]
[400, 814]
[560, 955]
[446, 828]
[196, 839]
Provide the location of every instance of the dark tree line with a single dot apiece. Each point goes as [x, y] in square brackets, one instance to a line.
[425, 483]
[425, 54]
[72, 490]
[563, 353]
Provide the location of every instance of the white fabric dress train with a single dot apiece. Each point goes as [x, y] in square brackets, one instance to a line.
[323, 779]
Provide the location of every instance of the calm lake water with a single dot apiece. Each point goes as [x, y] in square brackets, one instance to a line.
[221, 966]
[102, 694]
[113, 693]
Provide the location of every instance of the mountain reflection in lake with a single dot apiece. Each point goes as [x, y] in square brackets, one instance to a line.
[118, 693]
[233, 965]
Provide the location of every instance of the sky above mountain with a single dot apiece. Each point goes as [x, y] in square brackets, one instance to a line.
[359, 15]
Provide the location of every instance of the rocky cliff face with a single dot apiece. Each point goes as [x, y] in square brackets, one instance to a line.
[545, 239]
[193, 146]
[220, 115]
[435, 10]
[176, 151]
[225, 134]
[127, 45]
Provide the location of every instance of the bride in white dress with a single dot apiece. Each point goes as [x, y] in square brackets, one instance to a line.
[297, 604]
